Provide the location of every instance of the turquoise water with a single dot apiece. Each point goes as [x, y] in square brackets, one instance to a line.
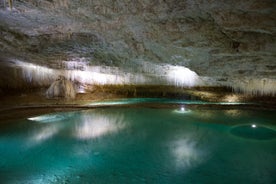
[140, 145]
[159, 101]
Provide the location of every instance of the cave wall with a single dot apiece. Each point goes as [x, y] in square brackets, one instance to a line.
[184, 43]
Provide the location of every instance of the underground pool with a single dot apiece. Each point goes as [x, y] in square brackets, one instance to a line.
[141, 144]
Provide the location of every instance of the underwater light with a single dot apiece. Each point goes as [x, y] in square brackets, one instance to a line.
[47, 118]
[182, 110]
[253, 131]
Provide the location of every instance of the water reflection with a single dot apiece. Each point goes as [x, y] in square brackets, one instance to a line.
[44, 133]
[48, 126]
[41, 134]
[234, 113]
[185, 153]
[115, 145]
[95, 124]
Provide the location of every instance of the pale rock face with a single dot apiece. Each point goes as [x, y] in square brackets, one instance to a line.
[61, 88]
[229, 43]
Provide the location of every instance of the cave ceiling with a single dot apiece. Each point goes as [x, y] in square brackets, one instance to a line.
[222, 41]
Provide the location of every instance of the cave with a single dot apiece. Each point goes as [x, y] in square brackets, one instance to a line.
[146, 91]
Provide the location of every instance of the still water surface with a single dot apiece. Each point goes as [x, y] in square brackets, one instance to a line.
[140, 145]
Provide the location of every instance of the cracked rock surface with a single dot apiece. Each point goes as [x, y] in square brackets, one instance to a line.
[229, 43]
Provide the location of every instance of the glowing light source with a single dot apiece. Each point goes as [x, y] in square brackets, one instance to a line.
[48, 118]
[253, 131]
[182, 110]
[182, 76]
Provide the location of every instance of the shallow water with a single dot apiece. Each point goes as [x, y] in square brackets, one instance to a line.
[140, 145]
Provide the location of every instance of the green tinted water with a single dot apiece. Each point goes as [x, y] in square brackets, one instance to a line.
[140, 145]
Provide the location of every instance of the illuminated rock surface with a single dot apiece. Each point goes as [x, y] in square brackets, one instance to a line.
[61, 88]
[184, 43]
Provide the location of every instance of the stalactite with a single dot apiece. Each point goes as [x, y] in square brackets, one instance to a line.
[181, 76]
[25, 74]
[256, 87]
[11, 4]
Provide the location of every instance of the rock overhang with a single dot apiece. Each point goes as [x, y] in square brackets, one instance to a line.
[224, 43]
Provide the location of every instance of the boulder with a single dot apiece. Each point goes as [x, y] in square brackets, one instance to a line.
[61, 88]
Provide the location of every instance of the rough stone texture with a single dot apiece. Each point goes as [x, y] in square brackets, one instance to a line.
[225, 42]
[61, 88]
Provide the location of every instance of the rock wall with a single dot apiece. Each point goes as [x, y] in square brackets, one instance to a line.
[225, 43]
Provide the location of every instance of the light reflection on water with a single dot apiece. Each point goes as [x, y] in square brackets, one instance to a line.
[94, 124]
[118, 145]
[186, 153]
[41, 135]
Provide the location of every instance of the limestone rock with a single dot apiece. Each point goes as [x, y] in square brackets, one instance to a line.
[220, 40]
[61, 88]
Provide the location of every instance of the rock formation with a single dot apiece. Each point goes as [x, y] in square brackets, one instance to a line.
[226, 43]
[61, 88]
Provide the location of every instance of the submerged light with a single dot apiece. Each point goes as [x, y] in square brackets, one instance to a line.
[182, 110]
[48, 118]
[253, 131]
